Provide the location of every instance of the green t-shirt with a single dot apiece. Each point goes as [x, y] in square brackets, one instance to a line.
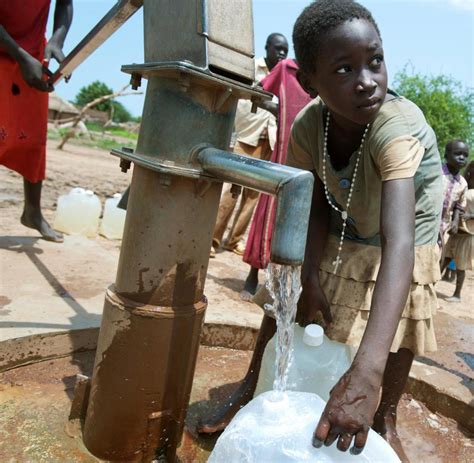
[399, 144]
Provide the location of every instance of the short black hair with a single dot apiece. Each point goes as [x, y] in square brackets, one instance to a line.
[316, 21]
[272, 36]
[450, 144]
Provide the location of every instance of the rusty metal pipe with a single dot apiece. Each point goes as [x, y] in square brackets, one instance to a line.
[112, 21]
[293, 188]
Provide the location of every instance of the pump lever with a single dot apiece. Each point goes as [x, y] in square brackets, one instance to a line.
[112, 21]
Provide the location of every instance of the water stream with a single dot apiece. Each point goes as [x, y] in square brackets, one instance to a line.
[284, 285]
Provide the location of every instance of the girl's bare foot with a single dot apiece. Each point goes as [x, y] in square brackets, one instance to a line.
[385, 426]
[35, 220]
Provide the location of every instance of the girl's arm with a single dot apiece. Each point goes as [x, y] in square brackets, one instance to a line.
[312, 298]
[62, 22]
[454, 227]
[31, 69]
[354, 400]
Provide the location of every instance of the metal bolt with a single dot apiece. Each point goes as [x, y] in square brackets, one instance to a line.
[255, 102]
[135, 81]
[165, 180]
[235, 191]
[125, 165]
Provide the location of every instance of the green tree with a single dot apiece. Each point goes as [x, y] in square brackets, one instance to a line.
[92, 91]
[121, 113]
[446, 104]
[97, 89]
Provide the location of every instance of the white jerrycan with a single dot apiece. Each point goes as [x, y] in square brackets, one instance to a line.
[317, 363]
[78, 213]
[113, 220]
[277, 427]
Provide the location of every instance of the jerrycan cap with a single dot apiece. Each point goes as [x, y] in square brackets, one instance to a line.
[117, 195]
[313, 335]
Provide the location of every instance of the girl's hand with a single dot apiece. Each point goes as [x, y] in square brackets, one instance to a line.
[350, 411]
[454, 227]
[34, 72]
[312, 301]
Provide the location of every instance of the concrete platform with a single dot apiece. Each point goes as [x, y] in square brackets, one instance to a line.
[56, 291]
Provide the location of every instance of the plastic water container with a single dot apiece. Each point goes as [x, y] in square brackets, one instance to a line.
[318, 363]
[278, 427]
[78, 213]
[114, 218]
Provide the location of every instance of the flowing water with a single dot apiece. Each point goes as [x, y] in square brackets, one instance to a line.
[284, 284]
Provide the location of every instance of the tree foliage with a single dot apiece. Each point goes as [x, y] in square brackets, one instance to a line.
[97, 89]
[447, 106]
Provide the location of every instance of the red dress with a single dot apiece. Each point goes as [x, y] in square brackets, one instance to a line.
[283, 83]
[23, 110]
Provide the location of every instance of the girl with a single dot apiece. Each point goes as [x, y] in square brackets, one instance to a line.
[371, 256]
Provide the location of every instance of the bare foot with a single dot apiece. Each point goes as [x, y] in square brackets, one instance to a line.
[453, 299]
[227, 410]
[37, 222]
[387, 429]
[246, 296]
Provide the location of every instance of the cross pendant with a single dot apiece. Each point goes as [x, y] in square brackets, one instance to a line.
[337, 263]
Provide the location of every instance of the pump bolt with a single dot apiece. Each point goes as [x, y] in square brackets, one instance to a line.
[165, 180]
[125, 165]
[135, 81]
[235, 191]
[255, 103]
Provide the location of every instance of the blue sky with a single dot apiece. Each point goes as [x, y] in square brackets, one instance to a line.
[431, 36]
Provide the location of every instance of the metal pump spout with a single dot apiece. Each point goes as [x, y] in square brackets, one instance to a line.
[292, 187]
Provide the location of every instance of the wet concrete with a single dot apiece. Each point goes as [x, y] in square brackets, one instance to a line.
[35, 401]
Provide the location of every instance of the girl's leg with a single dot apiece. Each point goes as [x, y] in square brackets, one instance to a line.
[32, 216]
[250, 285]
[394, 381]
[444, 263]
[460, 276]
[244, 393]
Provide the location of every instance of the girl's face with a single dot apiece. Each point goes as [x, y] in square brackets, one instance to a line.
[351, 76]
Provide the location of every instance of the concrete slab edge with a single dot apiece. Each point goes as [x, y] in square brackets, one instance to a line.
[440, 390]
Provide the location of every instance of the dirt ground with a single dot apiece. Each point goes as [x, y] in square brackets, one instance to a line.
[99, 171]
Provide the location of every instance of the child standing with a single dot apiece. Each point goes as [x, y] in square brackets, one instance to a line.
[460, 246]
[456, 154]
[283, 83]
[371, 257]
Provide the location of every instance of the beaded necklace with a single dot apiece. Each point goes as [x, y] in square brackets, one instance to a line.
[344, 213]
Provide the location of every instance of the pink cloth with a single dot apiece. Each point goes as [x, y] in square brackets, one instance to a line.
[283, 83]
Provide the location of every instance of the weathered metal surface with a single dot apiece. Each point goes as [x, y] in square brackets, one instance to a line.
[142, 379]
[167, 238]
[188, 73]
[204, 32]
[293, 187]
[112, 21]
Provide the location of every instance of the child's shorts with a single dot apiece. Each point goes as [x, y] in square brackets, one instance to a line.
[460, 247]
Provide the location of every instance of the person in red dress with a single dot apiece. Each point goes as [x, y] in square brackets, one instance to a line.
[24, 86]
[282, 82]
